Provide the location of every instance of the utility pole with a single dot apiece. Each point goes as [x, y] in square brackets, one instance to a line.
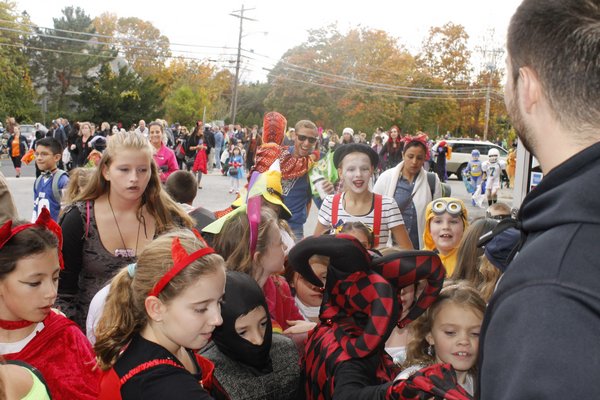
[491, 67]
[237, 64]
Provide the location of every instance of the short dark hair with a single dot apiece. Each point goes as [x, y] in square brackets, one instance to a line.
[560, 41]
[31, 241]
[51, 143]
[181, 186]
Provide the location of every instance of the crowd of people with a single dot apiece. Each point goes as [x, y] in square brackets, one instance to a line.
[118, 288]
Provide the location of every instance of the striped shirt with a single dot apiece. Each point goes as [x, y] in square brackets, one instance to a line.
[390, 216]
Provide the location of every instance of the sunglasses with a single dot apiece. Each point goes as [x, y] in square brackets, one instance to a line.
[303, 138]
[499, 217]
[441, 206]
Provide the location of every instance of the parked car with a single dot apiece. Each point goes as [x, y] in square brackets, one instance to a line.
[28, 131]
[461, 154]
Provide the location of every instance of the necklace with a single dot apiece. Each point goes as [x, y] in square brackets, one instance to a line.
[125, 251]
[13, 325]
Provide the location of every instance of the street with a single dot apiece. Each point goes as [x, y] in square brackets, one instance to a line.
[214, 195]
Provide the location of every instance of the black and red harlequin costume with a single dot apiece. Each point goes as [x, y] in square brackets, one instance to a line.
[344, 354]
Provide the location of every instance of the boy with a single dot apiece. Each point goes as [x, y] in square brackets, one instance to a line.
[181, 186]
[47, 189]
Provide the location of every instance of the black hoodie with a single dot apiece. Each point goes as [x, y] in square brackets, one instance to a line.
[540, 337]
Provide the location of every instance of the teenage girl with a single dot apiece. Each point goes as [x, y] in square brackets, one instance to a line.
[30, 331]
[157, 313]
[448, 333]
[121, 209]
[264, 264]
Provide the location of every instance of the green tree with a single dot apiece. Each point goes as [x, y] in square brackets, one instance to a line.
[60, 59]
[16, 90]
[119, 96]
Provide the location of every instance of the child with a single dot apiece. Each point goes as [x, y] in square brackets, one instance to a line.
[250, 361]
[498, 211]
[355, 164]
[474, 172]
[264, 263]
[181, 186]
[47, 189]
[19, 380]
[157, 313]
[30, 330]
[360, 231]
[493, 168]
[307, 296]
[445, 223]
[448, 333]
[236, 169]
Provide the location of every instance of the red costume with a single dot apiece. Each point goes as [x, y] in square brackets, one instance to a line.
[65, 358]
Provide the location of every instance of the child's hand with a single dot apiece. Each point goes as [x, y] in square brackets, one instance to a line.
[299, 327]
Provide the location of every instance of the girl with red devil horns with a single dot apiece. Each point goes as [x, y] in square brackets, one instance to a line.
[157, 313]
[30, 331]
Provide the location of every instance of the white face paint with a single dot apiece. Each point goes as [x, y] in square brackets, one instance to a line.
[356, 171]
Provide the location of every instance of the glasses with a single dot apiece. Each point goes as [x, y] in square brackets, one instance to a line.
[441, 206]
[42, 154]
[303, 138]
[498, 217]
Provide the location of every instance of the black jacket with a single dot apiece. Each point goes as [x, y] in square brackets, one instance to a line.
[540, 337]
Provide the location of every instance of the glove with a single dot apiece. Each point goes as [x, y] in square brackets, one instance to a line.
[438, 380]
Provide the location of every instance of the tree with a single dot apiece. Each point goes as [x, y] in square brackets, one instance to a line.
[120, 96]
[138, 41]
[16, 90]
[60, 58]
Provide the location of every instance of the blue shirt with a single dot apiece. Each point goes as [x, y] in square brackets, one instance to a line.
[403, 196]
[296, 196]
[44, 198]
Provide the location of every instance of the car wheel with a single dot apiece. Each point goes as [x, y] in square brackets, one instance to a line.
[460, 170]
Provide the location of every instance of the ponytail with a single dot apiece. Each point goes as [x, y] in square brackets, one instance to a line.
[120, 320]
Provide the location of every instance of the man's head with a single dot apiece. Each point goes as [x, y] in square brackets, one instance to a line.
[553, 49]
[142, 125]
[306, 138]
[48, 152]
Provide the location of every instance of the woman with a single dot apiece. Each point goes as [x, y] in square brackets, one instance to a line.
[121, 209]
[356, 163]
[391, 154]
[254, 142]
[411, 186]
[195, 156]
[163, 156]
[17, 147]
[80, 149]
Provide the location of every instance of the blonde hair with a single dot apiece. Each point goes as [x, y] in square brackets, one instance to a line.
[233, 242]
[157, 201]
[460, 293]
[124, 313]
[78, 179]
[489, 275]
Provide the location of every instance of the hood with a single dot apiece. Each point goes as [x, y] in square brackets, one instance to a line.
[561, 196]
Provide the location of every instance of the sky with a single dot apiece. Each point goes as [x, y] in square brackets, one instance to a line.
[213, 32]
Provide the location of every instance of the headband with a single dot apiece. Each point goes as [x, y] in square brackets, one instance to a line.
[420, 138]
[181, 260]
[44, 220]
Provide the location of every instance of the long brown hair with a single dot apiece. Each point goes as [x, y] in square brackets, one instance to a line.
[468, 254]
[124, 313]
[233, 241]
[157, 201]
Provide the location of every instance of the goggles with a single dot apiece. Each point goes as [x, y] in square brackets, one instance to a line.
[441, 206]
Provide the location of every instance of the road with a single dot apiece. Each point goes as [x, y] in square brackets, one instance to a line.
[214, 195]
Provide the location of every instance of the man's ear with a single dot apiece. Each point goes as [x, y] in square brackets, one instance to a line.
[530, 88]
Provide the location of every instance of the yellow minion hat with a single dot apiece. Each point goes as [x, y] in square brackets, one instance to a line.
[439, 206]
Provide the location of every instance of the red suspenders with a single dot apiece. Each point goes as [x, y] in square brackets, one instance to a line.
[335, 204]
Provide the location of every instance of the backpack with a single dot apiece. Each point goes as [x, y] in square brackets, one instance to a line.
[55, 179]
[446, 189]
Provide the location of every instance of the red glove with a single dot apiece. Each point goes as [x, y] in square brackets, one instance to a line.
[437, 381]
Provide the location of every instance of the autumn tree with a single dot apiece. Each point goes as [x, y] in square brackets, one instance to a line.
[16, 89]
[144, 47]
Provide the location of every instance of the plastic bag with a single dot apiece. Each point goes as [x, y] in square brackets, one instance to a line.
[321, 171]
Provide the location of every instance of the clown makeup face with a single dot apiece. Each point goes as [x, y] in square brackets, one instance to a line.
[446, 231]
[455, 337]
[356, 170]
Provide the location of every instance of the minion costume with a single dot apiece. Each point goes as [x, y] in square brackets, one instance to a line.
[450, 205]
